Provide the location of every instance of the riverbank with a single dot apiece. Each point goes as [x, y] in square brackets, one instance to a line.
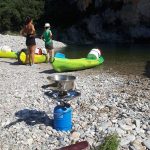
[109, 102]
[17, 43]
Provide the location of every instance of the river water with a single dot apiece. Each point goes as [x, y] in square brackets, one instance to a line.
[124, 59]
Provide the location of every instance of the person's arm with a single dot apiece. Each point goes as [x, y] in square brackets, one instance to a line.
[51, 34]
[42, 37]
[33, 29]
[22, 32]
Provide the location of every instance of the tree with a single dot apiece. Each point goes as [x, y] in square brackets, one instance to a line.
[13, 12]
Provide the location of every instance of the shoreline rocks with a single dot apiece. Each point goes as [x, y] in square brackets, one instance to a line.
[109, 103]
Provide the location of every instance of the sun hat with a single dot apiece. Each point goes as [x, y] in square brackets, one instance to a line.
[47, 25]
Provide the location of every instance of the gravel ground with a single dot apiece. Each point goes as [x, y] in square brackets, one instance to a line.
[109, 103]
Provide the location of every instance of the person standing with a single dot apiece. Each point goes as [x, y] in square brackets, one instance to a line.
[47, 38]
[29, 32]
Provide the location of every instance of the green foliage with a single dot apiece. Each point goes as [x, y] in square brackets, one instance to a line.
[111, 142]
[13, 12]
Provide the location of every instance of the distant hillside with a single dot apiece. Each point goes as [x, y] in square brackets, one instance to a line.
[83, 21]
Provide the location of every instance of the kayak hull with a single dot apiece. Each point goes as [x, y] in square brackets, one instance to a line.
[64, 64]
[37, 58]
[5, 54]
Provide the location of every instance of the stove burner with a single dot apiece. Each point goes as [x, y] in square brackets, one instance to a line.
[63, 95]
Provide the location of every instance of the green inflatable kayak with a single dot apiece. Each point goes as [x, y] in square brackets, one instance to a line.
[65, 64]
[5, 54]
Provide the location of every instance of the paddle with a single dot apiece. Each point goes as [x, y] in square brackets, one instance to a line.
[60, 55]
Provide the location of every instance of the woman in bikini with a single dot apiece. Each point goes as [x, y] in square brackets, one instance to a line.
[29, 32]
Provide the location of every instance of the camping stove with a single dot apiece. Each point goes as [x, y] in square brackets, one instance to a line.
[65, 91]
[63, 97]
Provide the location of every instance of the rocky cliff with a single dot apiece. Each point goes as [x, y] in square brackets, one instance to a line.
[87, 21]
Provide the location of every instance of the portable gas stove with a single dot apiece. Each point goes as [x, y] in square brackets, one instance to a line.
[64, 92]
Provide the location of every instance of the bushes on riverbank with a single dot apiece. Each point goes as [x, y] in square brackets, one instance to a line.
[13, 13]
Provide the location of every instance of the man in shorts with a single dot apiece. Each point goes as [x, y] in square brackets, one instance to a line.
[47, 38]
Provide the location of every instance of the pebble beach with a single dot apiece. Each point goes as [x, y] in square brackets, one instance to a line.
[109, 103]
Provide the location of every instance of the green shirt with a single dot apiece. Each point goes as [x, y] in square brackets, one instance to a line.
[47, 37]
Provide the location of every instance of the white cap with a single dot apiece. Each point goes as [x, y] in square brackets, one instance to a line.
[47, 25]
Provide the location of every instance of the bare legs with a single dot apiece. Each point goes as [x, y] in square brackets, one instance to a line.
[32, 51]
[30, 55]
[50, 55]
[27, 57]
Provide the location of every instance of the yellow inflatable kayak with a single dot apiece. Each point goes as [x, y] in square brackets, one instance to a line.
[37, 58]
[5, 54]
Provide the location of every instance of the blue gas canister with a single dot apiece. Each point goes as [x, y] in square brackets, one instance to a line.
[63, 117]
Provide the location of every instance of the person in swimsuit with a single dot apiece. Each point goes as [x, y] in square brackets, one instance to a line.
[29, 32]
[47, 38]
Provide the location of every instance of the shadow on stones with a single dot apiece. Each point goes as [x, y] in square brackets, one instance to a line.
[54, 85]
[32, 117]
[15, 63]
[50, 71]
[147, 69]
[53, 71]
[50, 93]
[11, 63]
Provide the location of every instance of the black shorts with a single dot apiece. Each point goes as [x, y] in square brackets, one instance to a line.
[30, 40]
[49, 46]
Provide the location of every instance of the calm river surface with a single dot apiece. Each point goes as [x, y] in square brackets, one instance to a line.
[124, 59]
